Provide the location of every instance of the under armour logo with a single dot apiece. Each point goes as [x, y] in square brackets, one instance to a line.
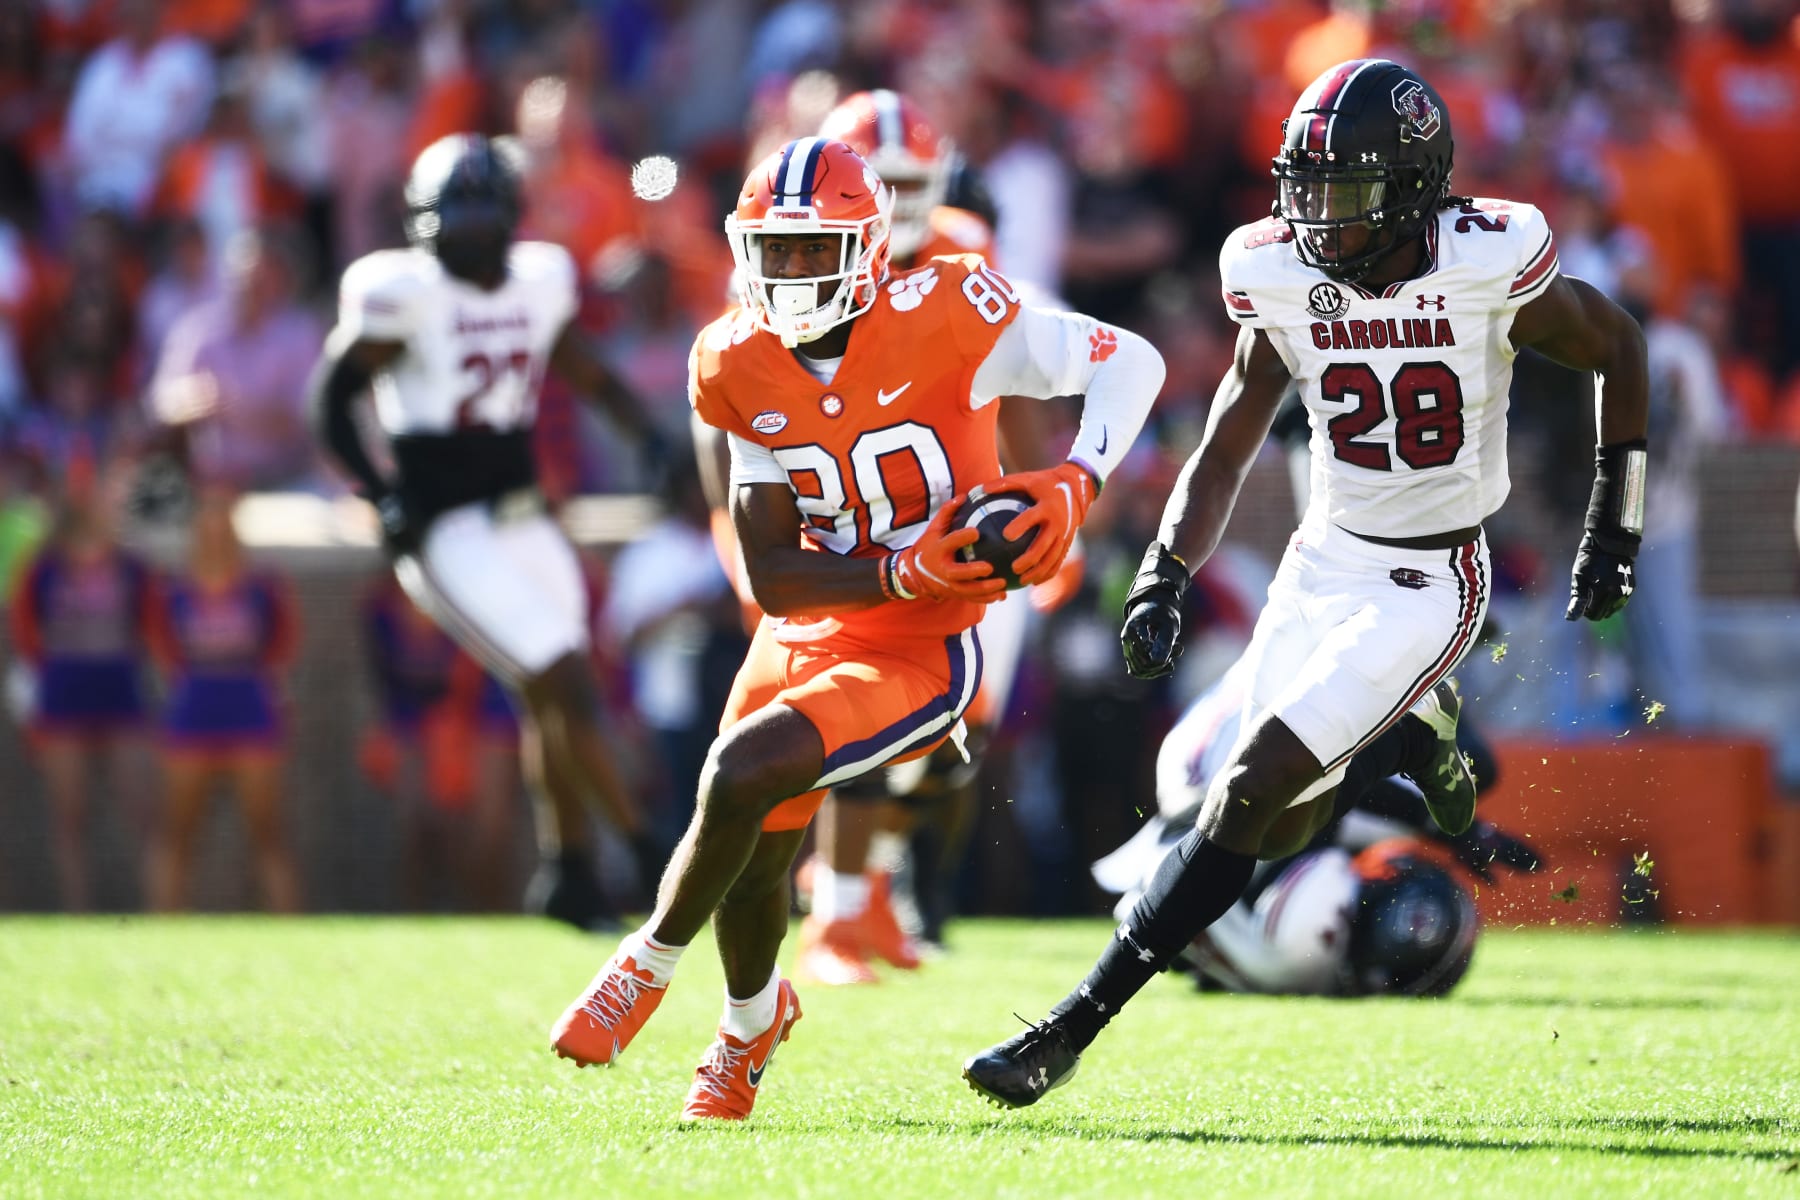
[1040, 1081]
[1625, 579]
[1435, 303]
[1370, 156]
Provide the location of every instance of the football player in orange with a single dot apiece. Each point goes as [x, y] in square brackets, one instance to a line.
[852, 920]
[858, 408]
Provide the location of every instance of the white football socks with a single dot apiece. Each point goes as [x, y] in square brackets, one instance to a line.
[838, 896]
[651, 955]
[747, 1020]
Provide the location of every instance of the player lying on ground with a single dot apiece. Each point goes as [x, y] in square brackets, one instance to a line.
[859, 411]
[1397, 309]
[1363, 909]
[454, 335]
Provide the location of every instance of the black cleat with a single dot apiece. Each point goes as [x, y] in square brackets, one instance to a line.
[1448, 784]
[1021, 1069]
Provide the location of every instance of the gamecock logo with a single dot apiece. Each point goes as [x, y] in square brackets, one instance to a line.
[1417, 110]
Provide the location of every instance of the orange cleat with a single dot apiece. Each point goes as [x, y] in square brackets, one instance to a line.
[725, 1083]
[880, 929]
[831, 953]
[601, 1023]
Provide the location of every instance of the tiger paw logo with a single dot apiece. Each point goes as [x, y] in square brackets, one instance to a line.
[907, 293]
[1101, 344]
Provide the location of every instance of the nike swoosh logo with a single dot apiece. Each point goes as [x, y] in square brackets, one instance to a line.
[1103, 439]
[755, 1073]
[886, 398]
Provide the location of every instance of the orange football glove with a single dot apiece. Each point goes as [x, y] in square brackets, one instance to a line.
[929, 569]
[1059, 502]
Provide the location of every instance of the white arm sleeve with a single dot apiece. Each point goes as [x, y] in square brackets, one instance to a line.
[751, 463]
[1044, 353]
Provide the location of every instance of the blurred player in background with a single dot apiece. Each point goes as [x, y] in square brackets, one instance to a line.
[454, 335]
[858, 410]
[224, 632]
[81, 619]
[1397, 308]
[1364, 908]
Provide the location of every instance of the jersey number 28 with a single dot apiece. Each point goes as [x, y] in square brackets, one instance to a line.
[1427, 406]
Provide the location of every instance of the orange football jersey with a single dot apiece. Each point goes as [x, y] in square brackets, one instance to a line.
[873, 454]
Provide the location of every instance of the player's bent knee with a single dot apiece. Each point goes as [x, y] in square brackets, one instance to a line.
[760, 763]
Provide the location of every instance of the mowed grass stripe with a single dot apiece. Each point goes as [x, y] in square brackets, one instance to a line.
[242, 1056]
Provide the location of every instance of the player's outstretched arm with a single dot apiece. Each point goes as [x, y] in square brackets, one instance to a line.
[1574, 324]
[1118, 376]
[1243, 409]
[1194, 518]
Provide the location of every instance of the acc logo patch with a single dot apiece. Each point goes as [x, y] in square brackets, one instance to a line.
[1417, 110]
[908, 293]
[1326, 303]
[769, 421]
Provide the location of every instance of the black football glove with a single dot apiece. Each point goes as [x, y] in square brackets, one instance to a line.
[1604, 575]
[401, 532]
[1152, 634]
[1484, 845]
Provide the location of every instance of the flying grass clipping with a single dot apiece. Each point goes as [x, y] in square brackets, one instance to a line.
[653, 178]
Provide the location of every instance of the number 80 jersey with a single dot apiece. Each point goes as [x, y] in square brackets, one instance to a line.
[1405, 388]
[473, 358]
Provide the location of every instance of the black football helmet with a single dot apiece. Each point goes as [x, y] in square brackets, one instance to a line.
[1412, 931]
[462, 204]
[1367, 147]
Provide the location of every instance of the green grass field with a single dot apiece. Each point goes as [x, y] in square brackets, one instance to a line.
[345, 1057]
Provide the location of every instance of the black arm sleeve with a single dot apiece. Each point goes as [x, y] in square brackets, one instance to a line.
[335, 384]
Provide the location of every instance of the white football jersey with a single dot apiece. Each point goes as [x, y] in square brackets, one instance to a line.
[1406, 389]
[473, 358]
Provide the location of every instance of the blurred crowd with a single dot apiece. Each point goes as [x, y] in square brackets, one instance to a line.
[182, 181]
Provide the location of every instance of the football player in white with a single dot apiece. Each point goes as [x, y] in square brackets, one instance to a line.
[1397, 309]
[454, 335]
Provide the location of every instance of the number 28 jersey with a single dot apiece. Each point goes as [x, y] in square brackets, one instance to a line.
[1405, 388]
[473, 358]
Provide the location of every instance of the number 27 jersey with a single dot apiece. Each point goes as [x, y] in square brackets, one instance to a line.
[1406, 387]
[473, 358]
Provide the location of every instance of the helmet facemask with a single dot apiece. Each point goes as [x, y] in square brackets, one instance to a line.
[1347, 219]
[791, 308]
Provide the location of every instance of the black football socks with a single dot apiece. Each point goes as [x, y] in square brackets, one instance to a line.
[1193, 887]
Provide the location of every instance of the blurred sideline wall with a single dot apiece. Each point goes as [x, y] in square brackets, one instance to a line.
[1709, 811]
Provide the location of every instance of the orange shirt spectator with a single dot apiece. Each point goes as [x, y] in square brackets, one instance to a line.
[1746, 101]
[215, 22]
[1669, 183]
